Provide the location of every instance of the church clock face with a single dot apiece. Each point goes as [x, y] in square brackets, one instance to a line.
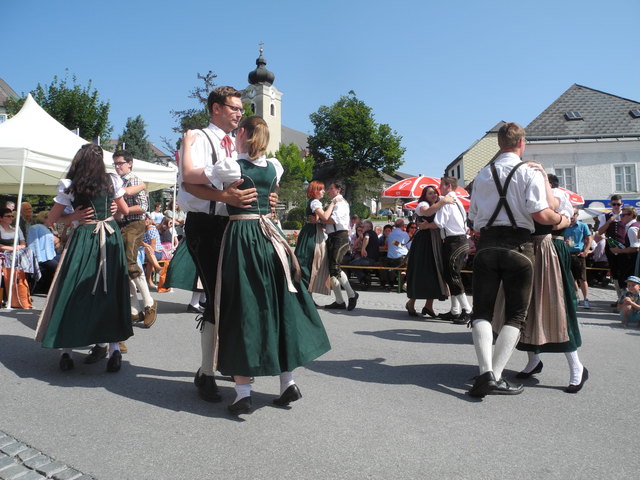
[251, 92]
[272, 93]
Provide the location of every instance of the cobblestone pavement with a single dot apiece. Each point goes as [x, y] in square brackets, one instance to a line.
[21, 462]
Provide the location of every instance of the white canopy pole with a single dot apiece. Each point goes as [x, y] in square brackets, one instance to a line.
[17, 233]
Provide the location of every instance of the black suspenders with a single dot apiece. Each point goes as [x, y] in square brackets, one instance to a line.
[214, 159]
[502, 192]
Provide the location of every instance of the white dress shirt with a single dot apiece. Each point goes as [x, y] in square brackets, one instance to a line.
[341, 215]
[526, 194]
[201, 158]
[451, 218]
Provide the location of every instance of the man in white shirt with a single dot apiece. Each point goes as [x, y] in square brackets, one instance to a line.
[451, 219]
[337, 228]
[507, 196]
[396, 253]
[206, 219]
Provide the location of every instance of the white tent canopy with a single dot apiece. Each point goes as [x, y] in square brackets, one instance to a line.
[45, 147]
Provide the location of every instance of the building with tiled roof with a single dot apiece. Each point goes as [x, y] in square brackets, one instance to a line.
[591, 140]
[467, 165]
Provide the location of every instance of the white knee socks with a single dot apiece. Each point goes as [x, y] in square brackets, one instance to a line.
[483, 341]
[286, 380]
[344, 282]
[337, 291]
[143, 288]
[113, 347]
[133, 295]
[575, 367]
[534, 359]
[506, 342]
[207, 345]
[242, 391]
[464, 302]
[195, 299]
[455, 305]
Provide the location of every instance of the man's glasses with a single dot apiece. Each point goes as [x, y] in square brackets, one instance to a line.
[613, 204]
[235, 109]
[117, 164]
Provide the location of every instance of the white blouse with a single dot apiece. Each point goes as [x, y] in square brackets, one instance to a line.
[64, 198]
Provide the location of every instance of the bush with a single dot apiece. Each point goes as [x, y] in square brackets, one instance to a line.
[297, 214]
[291, 225]
[361, 210]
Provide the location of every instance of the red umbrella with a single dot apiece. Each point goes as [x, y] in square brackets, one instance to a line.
[574, 198]
[412, 187]
[466, 202]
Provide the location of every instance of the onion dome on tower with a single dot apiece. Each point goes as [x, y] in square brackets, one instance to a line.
[261, 76]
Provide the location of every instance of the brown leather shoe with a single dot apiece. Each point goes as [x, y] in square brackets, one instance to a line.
[150, 314]
[123, 347]
[95, 354]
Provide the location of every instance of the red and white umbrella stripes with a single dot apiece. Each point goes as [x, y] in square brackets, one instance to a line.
[465, 201]
[574, 198]
[412, 187]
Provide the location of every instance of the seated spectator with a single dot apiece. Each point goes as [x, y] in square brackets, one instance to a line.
[396, 253]
[157, 214]
[152, 248]
[168, 237]
[629, 303]
[382, 241]
[368, 254]
[411, 231]
[42, 242]
[355, 244]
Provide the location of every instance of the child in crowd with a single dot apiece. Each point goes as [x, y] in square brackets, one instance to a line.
[629, 303]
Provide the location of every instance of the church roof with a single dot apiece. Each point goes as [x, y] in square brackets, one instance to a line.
[6, 92]
[261, 75]
[289, 135]
[582, 112]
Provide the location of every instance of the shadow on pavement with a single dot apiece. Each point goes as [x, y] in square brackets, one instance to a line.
[171, 390]
[446, 378]
[423, 336]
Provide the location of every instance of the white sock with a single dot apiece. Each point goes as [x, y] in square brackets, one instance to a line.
[455, 305]
[286, 380]
[203, 298]
[575, 367]
[195, 299]
[102, 344]
[113, 347]
[207, 345]
[464, 302]
[133, 294]
[506, 342]
[337, 291]
[242, 391]
[482, 334]
[143, 288]
[344, 281]
[534, 359]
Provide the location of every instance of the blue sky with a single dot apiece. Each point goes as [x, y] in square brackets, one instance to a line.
[439, 73]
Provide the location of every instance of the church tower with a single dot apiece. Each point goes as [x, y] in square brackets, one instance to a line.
[265, 100]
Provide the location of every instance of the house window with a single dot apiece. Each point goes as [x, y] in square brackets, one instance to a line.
[272, 110]
[253, 108]
[3, 117]
[567, 177]
[458, 169]
[625, 178]
[573, 116]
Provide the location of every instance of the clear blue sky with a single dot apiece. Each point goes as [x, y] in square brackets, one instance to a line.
[439, 73]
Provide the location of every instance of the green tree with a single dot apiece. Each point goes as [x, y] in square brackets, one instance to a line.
[347, 135]
[134, 138]
[73, 106]
[366, 185]
[297, 171]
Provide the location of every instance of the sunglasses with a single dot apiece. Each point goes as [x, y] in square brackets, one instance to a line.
[615, 204]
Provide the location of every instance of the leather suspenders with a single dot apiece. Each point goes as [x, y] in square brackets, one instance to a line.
[214, 159]
[502, 192]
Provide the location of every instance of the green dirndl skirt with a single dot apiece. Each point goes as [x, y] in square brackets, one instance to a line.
[182, 272]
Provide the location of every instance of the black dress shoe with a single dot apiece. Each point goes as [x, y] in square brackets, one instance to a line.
[336, 305]
[207, 388]
[411, 311]
[536, 369]
[291, 394]
[447, 316]
[353, 301]
[192, 309]
[505, 388]
[484, 384]
[577, 388]
[241, 406]
[115, 362]
[66, 362]
[463, 318]
[428, 311]
[96, 354]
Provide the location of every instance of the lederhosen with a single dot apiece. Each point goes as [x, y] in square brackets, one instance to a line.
[203, 234]
[616, 262]
[454, 249]
[626, 261]
[504, 256]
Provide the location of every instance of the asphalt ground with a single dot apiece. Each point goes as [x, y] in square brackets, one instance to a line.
[388, 401]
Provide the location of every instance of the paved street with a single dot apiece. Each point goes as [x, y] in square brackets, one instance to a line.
[388, 401]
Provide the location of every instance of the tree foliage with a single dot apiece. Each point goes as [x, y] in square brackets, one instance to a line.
[134, 138]
[297, 171]
[72, 105]
[366, 185]
[347, 135]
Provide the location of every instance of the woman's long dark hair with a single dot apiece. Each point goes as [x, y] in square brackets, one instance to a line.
[87, 174]
[423, 195]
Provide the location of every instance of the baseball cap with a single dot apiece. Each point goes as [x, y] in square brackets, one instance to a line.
[633, 279]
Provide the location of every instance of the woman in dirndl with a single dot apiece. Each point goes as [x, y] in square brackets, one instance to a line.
[89, 299]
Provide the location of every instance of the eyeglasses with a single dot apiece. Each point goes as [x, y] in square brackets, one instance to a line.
[117, 164]
[615, 204]
[8, 215]
[234, 109]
